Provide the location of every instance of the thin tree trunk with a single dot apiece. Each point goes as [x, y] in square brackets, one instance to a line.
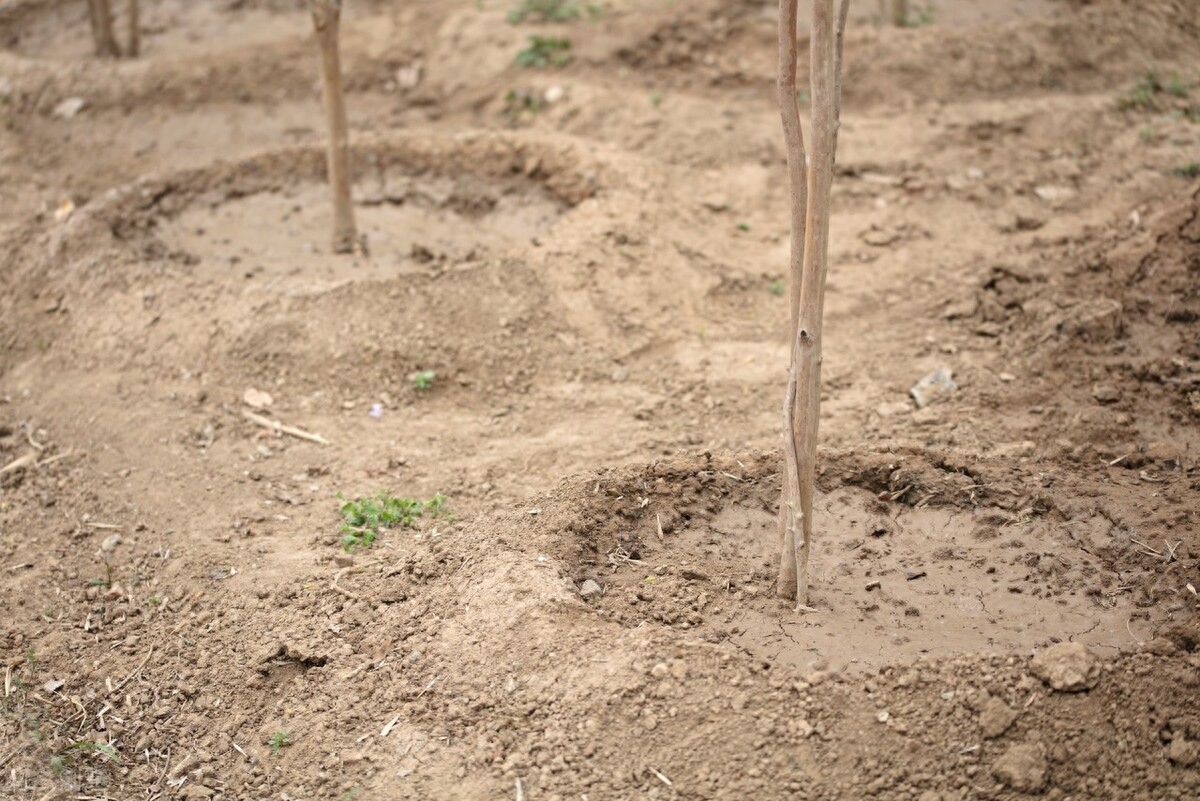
[135, 34]
[793, 134]
[810, 255]
[900, 13]
[102, 29]
[326, 16]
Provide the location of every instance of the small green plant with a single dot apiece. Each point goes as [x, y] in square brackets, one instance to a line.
[545, 51]
[278, 740]
[656, 99]
[64, 759]
[1189, 170]
[423, 380]
[743, 226]
[552, 11]
[518, 104]
[776, 289]
[365, 518]
[921, 17]
[1144, 94]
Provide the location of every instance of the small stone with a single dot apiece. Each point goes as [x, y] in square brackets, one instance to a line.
[1022, 768]
[883, 716]
[995, 718]
[110, 543]
[804, 728]
[893, 408]
[1183, 753]
[620, 374]
[554, 93]
[1054, 194]
[660, 670]
[409, 77]
[934, 387]
[68, 108]
[257, 399]
[591, 589]
[114, 593]
[678, 669]
[1067, 667]
[1106, 393]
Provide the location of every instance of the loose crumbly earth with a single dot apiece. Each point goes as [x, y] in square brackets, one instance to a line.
[591, 259]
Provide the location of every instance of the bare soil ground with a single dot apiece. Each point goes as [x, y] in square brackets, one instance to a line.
[589, 258]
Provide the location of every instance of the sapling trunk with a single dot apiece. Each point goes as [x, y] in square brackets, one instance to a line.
[810, 188]
[326, 17]
[135, 34]
[102, 29]
[900, 13]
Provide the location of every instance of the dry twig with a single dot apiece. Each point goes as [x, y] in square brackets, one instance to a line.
[280, 428]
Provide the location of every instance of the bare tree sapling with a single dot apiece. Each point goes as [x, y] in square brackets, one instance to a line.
[810, 183]
[326, 16]
[100, 15]
[135, 36]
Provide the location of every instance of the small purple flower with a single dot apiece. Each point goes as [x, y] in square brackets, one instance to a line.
[376, 411]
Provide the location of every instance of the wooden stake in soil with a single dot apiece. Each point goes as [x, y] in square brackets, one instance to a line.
[810, 187]
[326, 16]
[102, 29]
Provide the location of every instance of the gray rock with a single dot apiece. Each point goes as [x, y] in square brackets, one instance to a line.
[1022, 768]
[590, 589]
[1067, 667]
[934, 387]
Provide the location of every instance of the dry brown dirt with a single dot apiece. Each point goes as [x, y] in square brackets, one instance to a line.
[589, 258]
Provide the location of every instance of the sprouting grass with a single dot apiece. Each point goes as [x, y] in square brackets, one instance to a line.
[920, 17]
[553, 11]
[423, 380]
[1189, 170]
[365, 518]
[776, 288]
[1144, 94]
[545, 51]
[66, 758]
[518, 104]
[278, 740]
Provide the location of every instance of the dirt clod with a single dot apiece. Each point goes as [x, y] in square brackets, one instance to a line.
[996, 718]
[1022, 767]
[1067, 667]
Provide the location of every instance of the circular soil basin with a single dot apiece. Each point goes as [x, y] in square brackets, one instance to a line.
[891, 582]
[279, 239]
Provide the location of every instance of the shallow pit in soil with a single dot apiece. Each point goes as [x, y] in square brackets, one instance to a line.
[280, 241]
[890, 583]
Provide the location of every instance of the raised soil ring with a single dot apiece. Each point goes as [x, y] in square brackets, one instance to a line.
[892, 583]
[443, 215]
